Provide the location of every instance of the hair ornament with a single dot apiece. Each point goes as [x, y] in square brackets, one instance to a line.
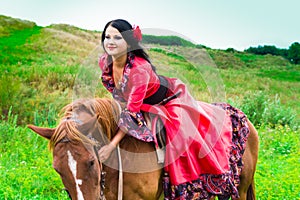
[137, 33]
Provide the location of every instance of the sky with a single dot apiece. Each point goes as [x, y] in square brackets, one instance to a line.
[219, 24]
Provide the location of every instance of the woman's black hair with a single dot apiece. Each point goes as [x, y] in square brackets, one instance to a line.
[126, 30]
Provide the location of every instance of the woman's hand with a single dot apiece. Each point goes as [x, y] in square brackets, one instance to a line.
[105, 152]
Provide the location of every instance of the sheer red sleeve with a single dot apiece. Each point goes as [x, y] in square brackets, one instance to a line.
[138, 85]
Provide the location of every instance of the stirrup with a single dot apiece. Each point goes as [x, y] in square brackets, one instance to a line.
[160, 153]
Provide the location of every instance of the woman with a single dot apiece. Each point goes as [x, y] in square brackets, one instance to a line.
[198, 135]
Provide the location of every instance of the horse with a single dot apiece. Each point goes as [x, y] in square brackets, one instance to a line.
[88, 124]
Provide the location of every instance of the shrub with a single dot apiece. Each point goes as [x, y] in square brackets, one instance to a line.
[9, 92]
[294, 53]
[168, 40]
[262, 110]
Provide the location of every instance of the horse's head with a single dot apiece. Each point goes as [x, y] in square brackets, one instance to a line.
[75, 142]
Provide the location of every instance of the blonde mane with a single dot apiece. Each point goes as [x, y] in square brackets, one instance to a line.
[107, 113]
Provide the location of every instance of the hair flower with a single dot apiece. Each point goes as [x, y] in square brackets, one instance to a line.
[137, 33]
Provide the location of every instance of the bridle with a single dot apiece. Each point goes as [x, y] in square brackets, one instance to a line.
[96, 147]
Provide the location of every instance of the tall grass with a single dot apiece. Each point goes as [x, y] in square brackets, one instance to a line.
[263, 110]
[25, 165]
[39, 68]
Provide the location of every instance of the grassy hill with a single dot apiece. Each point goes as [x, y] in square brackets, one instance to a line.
[39, 62]
[45, 61]
[44, 68]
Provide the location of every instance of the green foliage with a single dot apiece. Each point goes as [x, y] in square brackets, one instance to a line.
[9, 25]
[173, 55]
[262, 110]
[284, 73]
[168, 40]
[32, 89]
[267, 49]
[235, 59]
[39, 68]
[294, 53]
[26, 165]
[9, 91]
[277, 173]
[225, 60]
[230, 50]
[12, 50]
[46, 117]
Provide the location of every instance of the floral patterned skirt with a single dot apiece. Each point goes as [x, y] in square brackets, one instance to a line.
[222, 185]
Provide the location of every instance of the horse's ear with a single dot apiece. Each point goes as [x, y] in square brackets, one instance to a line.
[44, 132]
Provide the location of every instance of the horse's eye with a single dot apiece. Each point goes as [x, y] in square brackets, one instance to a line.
[91, 163]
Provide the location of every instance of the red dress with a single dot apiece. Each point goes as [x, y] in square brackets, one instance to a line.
[201, 160]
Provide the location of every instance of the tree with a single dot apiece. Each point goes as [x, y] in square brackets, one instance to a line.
[266, 49]
[294, 53]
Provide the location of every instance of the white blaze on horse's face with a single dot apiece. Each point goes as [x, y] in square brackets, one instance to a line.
[73, 168]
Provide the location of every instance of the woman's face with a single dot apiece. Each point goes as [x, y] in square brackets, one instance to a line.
[114, 43]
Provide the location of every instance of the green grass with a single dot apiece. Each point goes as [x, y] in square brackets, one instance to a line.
[9, 25]
[15, 43]
[25, 167]
[284, 73]
[277, 175]
[39, 67]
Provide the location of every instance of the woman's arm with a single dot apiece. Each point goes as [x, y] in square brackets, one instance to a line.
[118, 137]
[106, 150]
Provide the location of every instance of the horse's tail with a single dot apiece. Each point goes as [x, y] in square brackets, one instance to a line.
[251, 192]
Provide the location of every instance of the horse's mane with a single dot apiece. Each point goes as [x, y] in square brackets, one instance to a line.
[106, 110]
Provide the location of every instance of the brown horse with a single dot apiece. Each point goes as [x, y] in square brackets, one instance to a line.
[90, 123]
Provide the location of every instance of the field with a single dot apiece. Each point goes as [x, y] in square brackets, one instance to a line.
[43, 68]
